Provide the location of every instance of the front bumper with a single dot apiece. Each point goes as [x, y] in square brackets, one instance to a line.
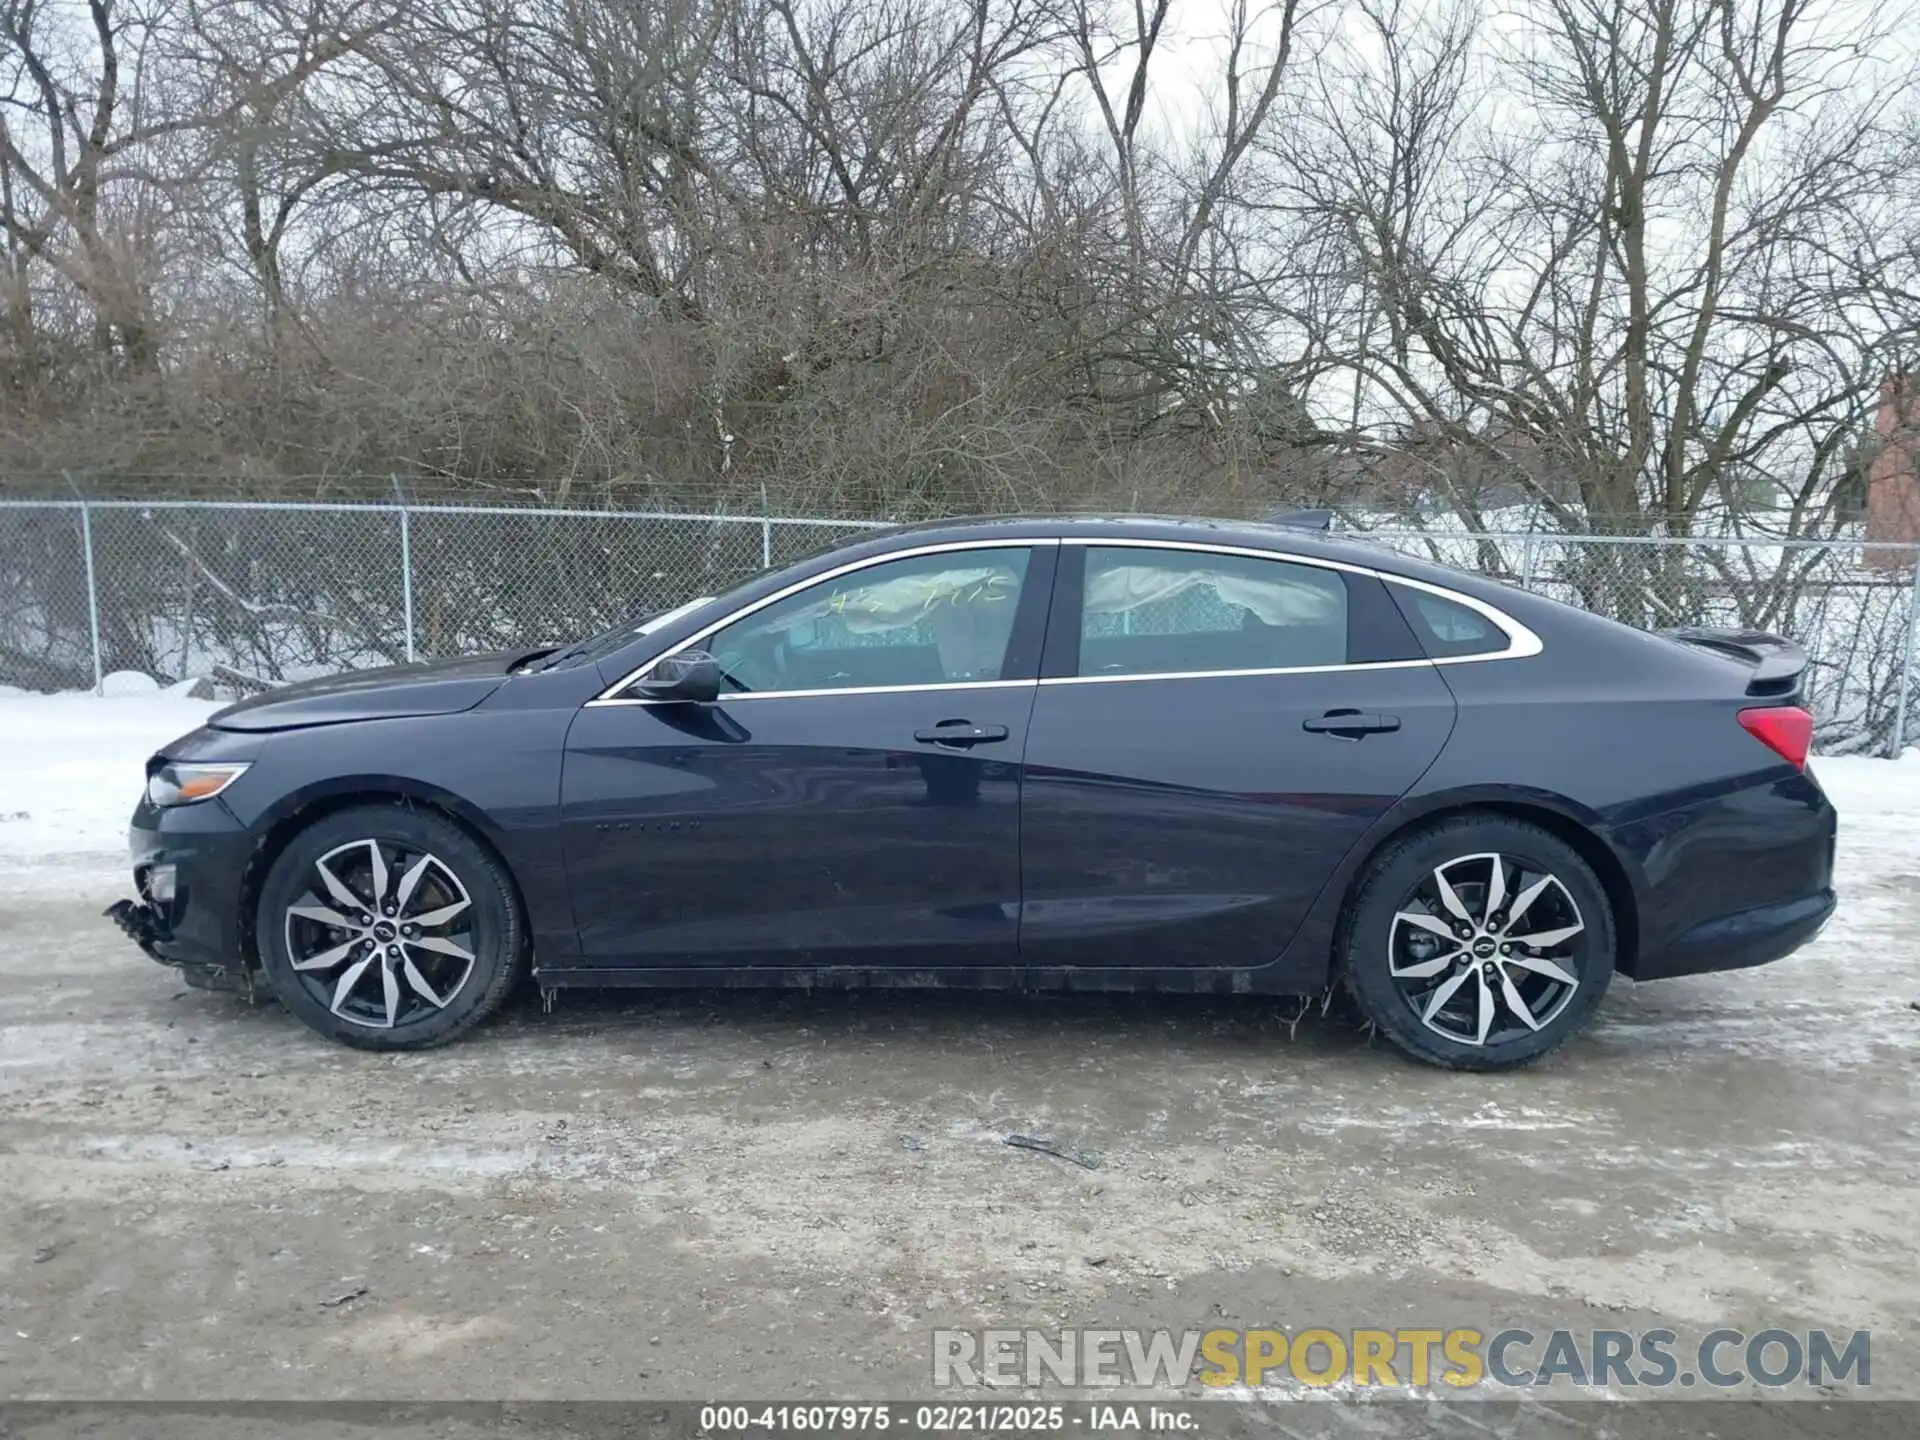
[142, 924]
[198, 927]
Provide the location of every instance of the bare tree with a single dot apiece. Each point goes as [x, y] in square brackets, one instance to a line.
[1631, 265]
[94, 99]
[1643, 281]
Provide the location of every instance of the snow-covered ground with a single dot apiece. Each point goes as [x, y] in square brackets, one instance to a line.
[79, 763]
[78, 768]
[217, 1203]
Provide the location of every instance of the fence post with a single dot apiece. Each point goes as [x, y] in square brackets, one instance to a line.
[1526, 562]
[1906, 663]
[93, 589]
[406, 564]
[766, 542]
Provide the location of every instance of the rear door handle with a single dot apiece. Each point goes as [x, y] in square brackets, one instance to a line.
[1351, 724]
[961, 734]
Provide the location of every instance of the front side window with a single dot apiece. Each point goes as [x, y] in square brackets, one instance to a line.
[927, 620]
[1165, 612]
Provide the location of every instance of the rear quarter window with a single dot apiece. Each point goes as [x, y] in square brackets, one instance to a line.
[1447, 629]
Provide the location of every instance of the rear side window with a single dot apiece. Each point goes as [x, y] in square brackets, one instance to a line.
[1169, 612]
[1448, 629]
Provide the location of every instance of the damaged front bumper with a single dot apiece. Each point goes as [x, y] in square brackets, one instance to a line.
[189, 868]
[141, 924]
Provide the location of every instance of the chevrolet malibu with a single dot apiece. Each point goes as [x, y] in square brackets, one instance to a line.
[1042, 754]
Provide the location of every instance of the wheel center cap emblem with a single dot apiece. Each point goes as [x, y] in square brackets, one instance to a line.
[383, 931]
[1483, 947]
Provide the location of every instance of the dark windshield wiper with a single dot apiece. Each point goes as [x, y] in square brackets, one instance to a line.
[555, 657]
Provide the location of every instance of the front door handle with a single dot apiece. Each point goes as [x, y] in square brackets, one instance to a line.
[961, 734]
[1351, 724]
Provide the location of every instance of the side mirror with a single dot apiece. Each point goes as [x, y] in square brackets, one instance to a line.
[692, 677]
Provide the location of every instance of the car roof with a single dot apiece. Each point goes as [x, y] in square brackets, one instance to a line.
[1252, 534]
[1540, 613]
[1123, 527]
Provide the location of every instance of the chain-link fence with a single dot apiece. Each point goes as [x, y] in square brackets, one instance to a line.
[254, 595]
[1853, 606]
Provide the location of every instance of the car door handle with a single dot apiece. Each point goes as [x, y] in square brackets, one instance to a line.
[1351, 724]
[961, 734]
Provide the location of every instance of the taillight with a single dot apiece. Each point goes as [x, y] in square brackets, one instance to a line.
[1787, 730]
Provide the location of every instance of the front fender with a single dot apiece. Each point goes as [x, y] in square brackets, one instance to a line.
[496, 771]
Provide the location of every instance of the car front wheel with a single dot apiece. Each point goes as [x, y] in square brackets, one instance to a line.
[389, 928]
[1479, 943]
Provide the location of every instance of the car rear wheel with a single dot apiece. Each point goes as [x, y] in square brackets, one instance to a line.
[389, 929]
[1480, 943]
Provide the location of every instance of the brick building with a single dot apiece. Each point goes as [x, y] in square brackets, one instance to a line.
[1893, 473]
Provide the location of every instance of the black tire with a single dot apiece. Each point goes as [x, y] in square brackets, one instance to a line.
[1377, 937]
[487, 927]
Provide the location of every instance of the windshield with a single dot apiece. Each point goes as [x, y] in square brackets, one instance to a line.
[667, 617]
[583, 652]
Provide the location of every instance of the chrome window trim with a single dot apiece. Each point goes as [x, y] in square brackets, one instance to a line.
[1208, 547]
[844, 690]
[1522, 643]
[611, 695]
[1233, 674]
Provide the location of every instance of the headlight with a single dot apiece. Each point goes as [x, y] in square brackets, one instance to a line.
[183, 784]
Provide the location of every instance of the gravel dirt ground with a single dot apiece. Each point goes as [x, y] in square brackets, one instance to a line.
[700, 1195]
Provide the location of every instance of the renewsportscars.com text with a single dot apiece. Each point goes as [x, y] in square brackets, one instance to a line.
[1460, 1358]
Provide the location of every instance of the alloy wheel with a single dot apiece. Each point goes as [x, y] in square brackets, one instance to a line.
[383, 934]
[1487, 948]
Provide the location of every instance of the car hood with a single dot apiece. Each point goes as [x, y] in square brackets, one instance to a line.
[444, 687]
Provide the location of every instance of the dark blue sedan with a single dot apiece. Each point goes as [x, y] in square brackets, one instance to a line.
[1043, 754]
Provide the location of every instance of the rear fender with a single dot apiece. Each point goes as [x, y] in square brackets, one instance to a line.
[1310, 955]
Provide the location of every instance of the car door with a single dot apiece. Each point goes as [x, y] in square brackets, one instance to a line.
[853, 798]
[1214, 730]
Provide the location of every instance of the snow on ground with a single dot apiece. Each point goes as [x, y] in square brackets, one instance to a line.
[1879, 805]
[196, 1181]
[81, 764]
[78, 765]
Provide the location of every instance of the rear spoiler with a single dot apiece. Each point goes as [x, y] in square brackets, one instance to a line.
[1777, 663]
